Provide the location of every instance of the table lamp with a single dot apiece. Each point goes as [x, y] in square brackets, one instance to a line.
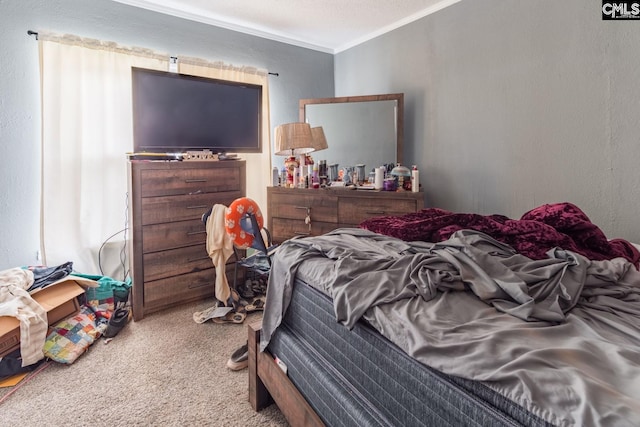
[319, 141]
[292, 139]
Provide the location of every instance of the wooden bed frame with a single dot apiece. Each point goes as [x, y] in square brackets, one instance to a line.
[269, 384]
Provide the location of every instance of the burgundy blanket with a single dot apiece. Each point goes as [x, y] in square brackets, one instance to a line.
[561, 225]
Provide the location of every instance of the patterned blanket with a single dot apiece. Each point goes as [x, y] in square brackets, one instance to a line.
[561, 225]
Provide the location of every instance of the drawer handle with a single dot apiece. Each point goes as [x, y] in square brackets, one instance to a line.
[197, 259]
[303, 207]
[197, 207]
[193, 233]
[375, 212]
[190, 181]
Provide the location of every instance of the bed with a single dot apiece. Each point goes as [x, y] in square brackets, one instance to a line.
[438, 318]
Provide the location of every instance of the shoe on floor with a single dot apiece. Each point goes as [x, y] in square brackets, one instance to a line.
[239, 358]
[231, 317]
[118, 320]
[255, 305]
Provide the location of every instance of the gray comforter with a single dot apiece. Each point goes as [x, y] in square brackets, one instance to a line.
[559, 336]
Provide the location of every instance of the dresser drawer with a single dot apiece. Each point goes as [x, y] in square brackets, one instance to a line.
[159, 237]
[173, 262]
[189, 181]
[352, 211]
[185, 287]
[284, 229]
[157, 210]
[329, 209]
[165, 292]
[320, 207]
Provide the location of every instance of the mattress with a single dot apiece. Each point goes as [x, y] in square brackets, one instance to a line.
[357, 377]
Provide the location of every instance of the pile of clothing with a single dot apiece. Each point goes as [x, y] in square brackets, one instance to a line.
[104, 312]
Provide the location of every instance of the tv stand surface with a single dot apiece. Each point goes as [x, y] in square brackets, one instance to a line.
[154, 156]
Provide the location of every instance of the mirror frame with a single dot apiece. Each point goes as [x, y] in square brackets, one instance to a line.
[399, 97]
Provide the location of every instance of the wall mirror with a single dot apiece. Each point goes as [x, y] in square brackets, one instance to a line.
[365, 130]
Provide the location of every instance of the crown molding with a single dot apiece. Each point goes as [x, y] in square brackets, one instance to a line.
[172, 8]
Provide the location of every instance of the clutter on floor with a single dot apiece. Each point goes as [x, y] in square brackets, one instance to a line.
[55, 313]
[72, 337]
[12, 371]
[239, 358]
[117, 321]
[248, 298]
[25, 316]
[238, 230]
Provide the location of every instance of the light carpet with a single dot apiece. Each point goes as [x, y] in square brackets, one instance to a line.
[164, 370]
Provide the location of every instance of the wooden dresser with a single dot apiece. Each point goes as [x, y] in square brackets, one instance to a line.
[168, 257]
[311, 212]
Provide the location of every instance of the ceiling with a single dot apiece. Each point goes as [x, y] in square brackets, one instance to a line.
[325, 25]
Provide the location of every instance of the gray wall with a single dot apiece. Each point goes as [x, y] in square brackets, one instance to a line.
[303, 74]
[510, 104]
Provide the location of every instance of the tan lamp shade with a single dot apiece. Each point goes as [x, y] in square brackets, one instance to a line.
[292, 139]
[319, 140]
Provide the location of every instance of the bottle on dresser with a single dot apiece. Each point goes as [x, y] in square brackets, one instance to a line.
[415, 179]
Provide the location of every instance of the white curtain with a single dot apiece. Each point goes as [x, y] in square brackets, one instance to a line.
[86, 132]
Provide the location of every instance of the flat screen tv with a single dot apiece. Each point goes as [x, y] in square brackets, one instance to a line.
[175, 113]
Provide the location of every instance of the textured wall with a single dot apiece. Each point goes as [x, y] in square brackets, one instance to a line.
[511, 104]
[303, 74]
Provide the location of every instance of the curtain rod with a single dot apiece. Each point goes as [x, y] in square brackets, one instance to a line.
[35, 33]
